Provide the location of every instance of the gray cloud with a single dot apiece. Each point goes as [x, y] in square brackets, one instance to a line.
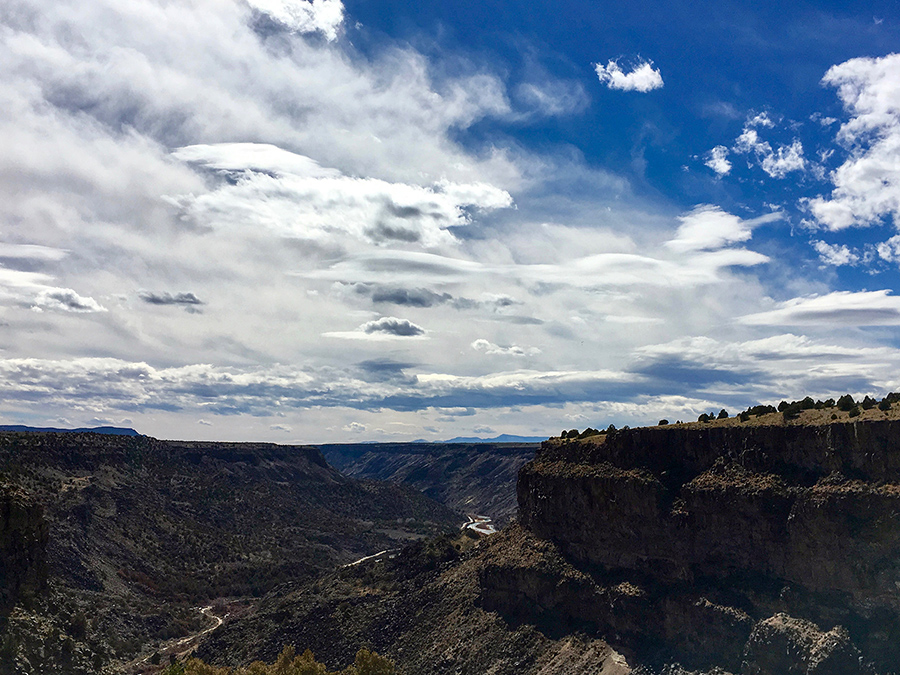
[169, 298]
[393, 326]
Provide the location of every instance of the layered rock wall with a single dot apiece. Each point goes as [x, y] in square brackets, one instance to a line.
[803, 520]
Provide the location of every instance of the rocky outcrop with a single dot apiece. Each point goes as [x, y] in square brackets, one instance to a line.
[736, 536]
[23, 540]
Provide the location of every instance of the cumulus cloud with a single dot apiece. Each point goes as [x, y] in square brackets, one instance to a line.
[778, 162]
[889, 250]
[384, 328]
[65, 300]
[304, 16]
[863, 308]
[490, 348]
[392, 326]
[643, 77]
[784, 160]
[716, 159]
[835, 254]
[867, 184]
[760, 120]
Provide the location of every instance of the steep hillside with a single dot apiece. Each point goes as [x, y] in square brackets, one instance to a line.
[138, 531]
[755, 549]
[477, 478]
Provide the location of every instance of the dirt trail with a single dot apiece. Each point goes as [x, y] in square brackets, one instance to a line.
[180, 647]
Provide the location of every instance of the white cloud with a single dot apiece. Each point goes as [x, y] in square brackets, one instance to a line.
[889, 250]
[553, 98]
[355, 428]
[777, 163]
[65, 300]
[304, 16]
[867, 184]
[302, 200]
[490, 348]
[716, 159]
[835, 254]
[643, 77]
[760, 120]
[709, 227]
[784, 160]
[863, 308]
[284, 428]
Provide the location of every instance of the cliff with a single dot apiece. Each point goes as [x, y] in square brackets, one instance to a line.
[23, 542]
[732, 540]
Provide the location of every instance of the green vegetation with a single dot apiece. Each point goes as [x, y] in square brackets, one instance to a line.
[573, 433]
[287, 663]
[790, 411]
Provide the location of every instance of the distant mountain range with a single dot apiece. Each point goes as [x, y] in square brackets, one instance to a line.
[112, 431]
[502, 438]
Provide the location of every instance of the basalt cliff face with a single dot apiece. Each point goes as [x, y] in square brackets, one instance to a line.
[23, 543]
[762, 550]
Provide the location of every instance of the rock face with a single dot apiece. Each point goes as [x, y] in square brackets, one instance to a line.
[770, 549]
[23, 541]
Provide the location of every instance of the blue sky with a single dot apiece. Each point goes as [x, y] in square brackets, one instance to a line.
[320, 221]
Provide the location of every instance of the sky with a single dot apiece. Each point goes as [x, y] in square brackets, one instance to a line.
[349, 220]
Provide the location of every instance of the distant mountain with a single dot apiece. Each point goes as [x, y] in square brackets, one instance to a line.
[502, 438]
[111, 431]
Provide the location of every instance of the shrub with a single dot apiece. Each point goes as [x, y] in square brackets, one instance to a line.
[703, 417]
[885, 405]
[723, 414]
[846, 403]
[662, 423]
[868, 403]
[854, 411]
[287, 663]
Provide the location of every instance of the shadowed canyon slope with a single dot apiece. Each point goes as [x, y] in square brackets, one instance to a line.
[468, 477]
[109, 542]
[762, 549]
